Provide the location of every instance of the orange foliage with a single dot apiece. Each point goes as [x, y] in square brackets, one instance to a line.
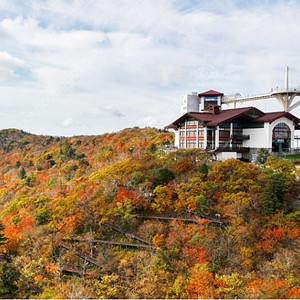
[293, 293]
[42, 176]
[183, 165]
[260, 288]
[195, 254]
[158, 240]
[202, 284]
[15, 223]
[272, 236]
[69, 224]
[38, 278]
[87, 191]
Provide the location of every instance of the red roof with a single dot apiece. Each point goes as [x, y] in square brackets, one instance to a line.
[210, 93]
[271, 117]
[210, 119]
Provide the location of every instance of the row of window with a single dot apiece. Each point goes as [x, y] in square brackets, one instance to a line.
[192, 132]
[280, 131]
[191, 144]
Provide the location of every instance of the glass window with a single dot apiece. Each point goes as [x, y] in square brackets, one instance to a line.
[281, 131]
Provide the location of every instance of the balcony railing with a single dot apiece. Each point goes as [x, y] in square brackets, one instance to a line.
[240, 137]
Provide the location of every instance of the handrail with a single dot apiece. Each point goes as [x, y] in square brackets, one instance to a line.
[269, 94]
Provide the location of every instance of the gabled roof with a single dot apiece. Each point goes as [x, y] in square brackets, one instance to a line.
[210, 93]
[210, 119]
[271, 117]
[229, 114]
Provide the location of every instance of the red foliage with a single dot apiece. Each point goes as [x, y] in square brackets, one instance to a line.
[124, 194]
[195, 254]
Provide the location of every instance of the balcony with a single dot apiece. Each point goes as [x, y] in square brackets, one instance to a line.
[240, 137]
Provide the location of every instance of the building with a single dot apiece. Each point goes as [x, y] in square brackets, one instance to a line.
[237, 132]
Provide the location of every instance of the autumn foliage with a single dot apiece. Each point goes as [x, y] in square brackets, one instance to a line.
[119, 215]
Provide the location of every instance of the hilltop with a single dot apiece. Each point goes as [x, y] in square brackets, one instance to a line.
[115, 216]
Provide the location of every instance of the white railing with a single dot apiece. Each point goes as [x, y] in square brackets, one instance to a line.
[238, 98]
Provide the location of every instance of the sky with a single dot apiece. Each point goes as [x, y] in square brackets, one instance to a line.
[73, 67]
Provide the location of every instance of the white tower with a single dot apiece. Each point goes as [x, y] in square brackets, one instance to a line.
[190, 103]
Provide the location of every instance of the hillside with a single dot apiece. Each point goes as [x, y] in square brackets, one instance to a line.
[114, 216]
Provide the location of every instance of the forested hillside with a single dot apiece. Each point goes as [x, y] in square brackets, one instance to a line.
[114, 216]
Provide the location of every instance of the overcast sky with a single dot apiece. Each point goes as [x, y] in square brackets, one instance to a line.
[72, 67]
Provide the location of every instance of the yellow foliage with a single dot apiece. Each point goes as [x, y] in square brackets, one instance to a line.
[158, 240]
[117, 169]
[3, 192]
[232, 287]
[163, 199]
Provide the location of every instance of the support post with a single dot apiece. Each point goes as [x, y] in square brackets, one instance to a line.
[205, 137]
[217, 137]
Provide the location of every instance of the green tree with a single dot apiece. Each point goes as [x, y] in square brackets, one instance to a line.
[273, 194]
[203, 170]
[9, 275]
[22, 173]
[161, 176]
[68, 151]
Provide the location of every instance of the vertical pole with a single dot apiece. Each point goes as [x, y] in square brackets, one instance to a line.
[287, 78]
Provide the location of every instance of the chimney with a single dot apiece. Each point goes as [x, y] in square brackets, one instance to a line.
[214, 109]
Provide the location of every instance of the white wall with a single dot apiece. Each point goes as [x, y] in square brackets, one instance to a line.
[226, 155]
[259, 137]
[189, 103]
[176, 142]
[262, 137]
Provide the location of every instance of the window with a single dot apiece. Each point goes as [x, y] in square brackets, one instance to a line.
[191, 133]
[191, 122]
[201, 132]
[281, 131]
[201, 144]
[191, 144]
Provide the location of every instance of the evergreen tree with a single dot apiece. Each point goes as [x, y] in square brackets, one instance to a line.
[22, 173]
[9, 275]
[274, 193]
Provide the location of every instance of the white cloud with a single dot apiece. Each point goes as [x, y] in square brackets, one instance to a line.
[8, 65]
[128, 62]
[149, 121]
[67, 122]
